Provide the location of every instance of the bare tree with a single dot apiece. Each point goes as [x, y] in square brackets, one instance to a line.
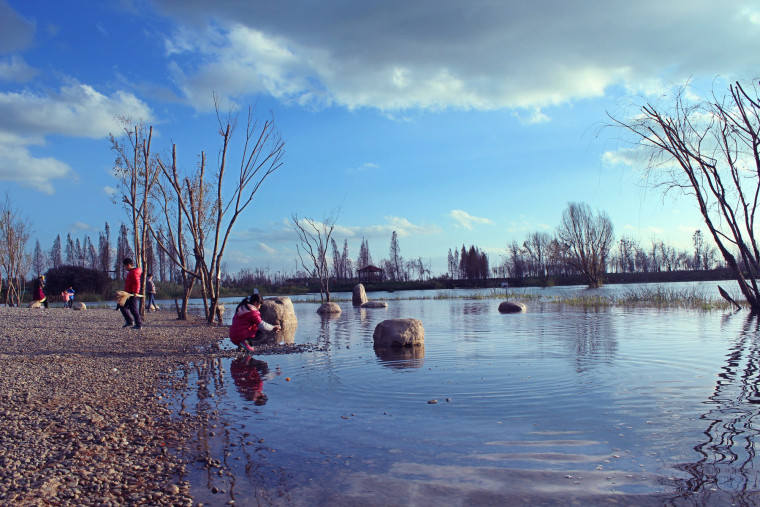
[588, 238]
[708, 149]
[14, 235]
[137, 172]
[209, 213]
[314, 238]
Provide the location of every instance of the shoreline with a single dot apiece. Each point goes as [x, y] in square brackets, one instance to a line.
[85, 417]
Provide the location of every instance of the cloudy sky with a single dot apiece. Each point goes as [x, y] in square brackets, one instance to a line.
[449, 122]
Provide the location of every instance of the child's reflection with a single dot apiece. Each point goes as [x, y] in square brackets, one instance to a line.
[246, 373]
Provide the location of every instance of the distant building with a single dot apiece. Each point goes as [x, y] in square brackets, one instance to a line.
[371, 274]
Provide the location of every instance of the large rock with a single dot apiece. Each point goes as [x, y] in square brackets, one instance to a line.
[329, 308]
[278, 311]
[511, 307]
[78, 305]
[399, 333]
[360, 295]
[375, 304]
[35, 304]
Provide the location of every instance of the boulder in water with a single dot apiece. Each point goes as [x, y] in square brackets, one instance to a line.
[359, 296]
[399, 333]
[512, 307]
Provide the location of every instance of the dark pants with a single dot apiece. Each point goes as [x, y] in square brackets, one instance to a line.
[70, 303]
[131, 307]
[151, 302]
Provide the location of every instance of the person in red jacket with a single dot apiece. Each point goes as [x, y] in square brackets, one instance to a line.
[246, 321]
[130, 310]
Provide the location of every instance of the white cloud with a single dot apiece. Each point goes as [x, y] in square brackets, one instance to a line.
[282, 232]
[367, 166]
[17, 164]
[111, 191]
[266, 249]
[650, 229]
[466, 220]
[431, 55]
[76, 110]
[81, 226]
[15, 68]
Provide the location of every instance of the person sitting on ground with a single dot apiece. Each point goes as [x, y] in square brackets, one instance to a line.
[39, 295]
[130, 309]
[150, 290]
[70, 293]
[246, 321]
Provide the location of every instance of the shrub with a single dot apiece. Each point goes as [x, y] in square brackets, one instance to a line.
[82, 279]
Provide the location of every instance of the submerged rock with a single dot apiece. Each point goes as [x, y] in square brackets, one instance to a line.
[375, 304]
[359, 296]
[327, 308]
[512, 307]
[399, 333]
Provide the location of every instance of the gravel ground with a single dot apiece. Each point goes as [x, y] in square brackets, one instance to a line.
[83, 407]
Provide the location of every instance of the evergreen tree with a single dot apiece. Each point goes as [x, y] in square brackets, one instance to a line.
[38, 259]
[70, 251]
[104, 249]
[396, 262]
[55, 253]
[346, 262]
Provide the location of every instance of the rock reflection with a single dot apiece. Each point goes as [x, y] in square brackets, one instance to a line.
[246, 374]
[402, 358]
[726, 473]
[286, 335]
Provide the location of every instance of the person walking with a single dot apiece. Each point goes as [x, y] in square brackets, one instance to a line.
[70, 294]
[39, 295]
[150, 290]
[131, 310]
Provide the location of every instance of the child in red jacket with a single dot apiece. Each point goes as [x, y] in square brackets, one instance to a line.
[246, 321]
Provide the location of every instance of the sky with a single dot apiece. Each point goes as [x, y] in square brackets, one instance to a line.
[448, 122]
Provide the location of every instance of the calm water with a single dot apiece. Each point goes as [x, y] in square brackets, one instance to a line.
[557, 406]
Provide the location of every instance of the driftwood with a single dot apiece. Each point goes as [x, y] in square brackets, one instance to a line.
[728, 298]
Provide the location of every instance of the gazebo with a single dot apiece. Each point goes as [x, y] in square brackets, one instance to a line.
[371, 274]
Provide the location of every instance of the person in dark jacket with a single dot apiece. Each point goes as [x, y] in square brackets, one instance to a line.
[39, 295]
[131, 310]
[150, 290]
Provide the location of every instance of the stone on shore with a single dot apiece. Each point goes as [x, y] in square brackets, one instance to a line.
[329, 308]
[78, 305]
[35, 304]
[399, 333]
[359, 296]
[512, 307]
[375, 304]
[278, 311]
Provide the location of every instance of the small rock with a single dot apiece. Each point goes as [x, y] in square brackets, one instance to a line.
[432, 402]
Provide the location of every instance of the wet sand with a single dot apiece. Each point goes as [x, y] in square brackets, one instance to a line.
[84, 417]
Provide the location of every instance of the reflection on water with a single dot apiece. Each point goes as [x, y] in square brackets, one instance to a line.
[726, 470]
[556, 406]
[245, 374]
[402, 357]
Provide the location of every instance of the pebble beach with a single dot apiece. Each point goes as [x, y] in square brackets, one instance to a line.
[85, 413]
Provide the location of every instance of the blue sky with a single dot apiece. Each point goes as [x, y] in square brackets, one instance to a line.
[450, 122]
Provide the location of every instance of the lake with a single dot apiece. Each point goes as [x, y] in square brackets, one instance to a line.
[561, 405]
